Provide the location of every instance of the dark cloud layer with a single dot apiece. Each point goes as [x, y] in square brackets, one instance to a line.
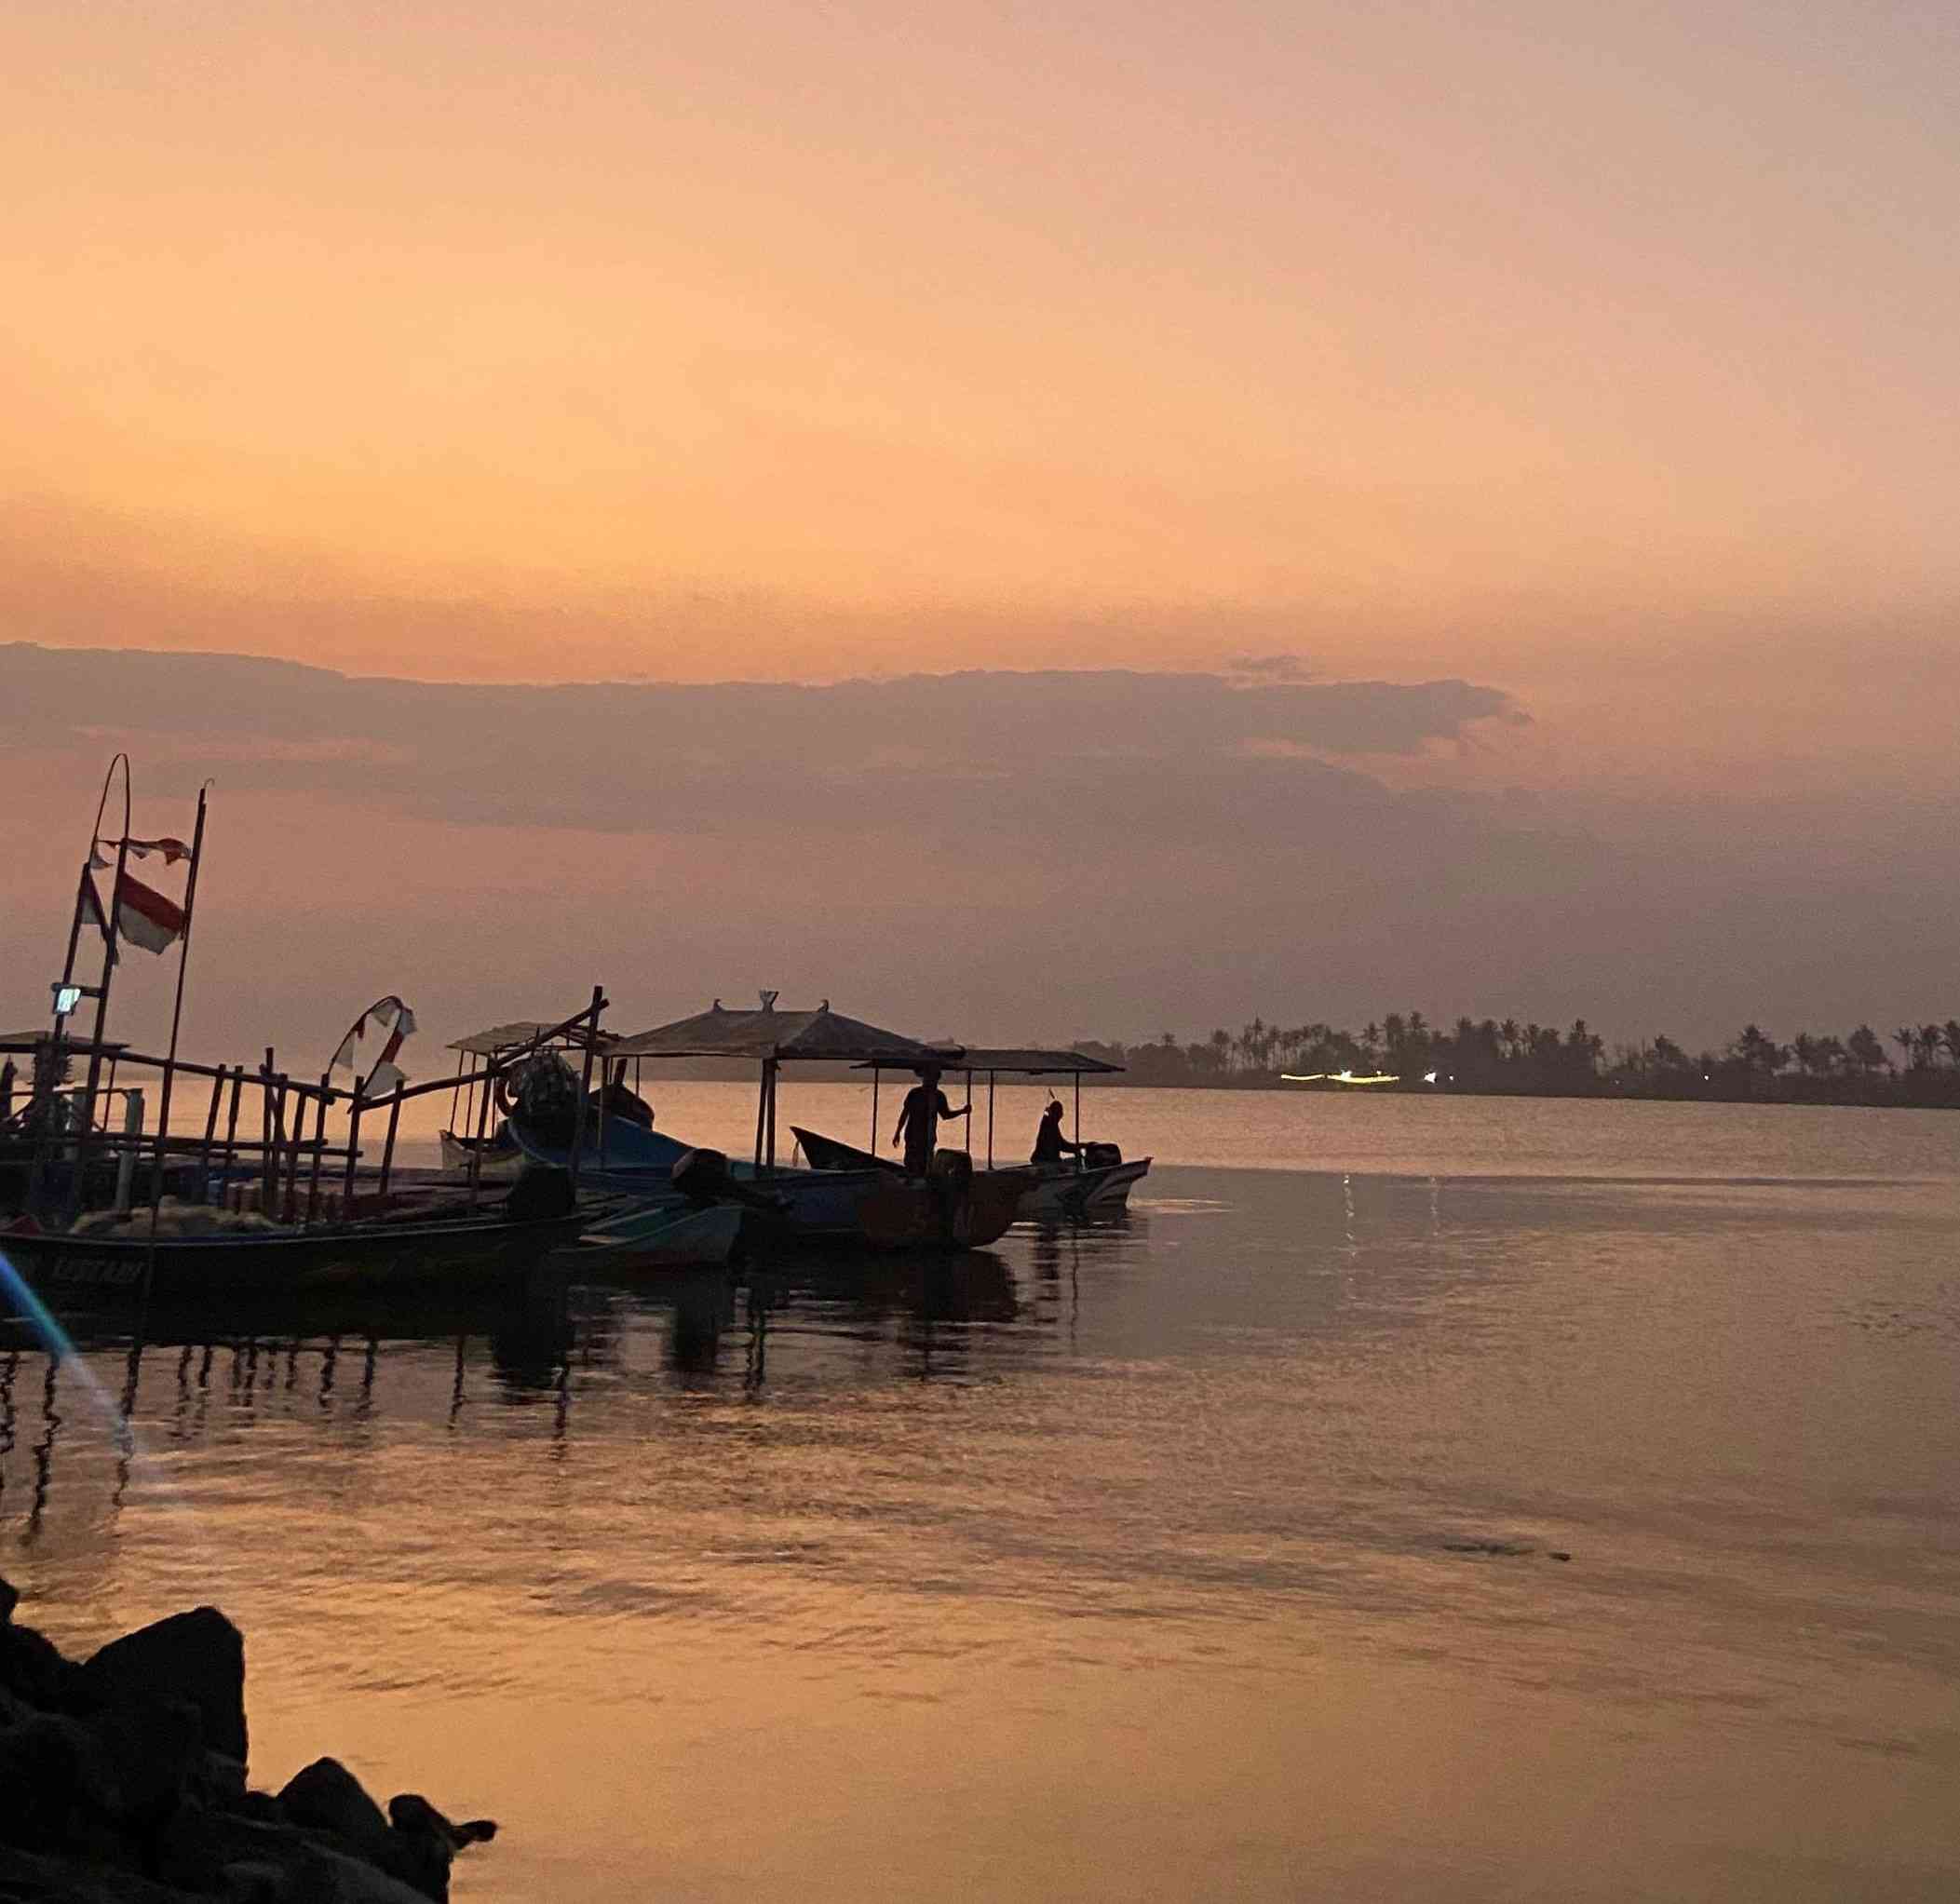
[997, 855]
[1180, 752]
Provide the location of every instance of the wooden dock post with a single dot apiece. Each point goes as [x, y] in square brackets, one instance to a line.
[319, 1147]
[231, 1124]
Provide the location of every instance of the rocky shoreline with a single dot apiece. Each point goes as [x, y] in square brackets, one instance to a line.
[123, 1781]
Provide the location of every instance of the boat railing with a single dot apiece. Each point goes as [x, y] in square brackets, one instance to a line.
[290, 1157]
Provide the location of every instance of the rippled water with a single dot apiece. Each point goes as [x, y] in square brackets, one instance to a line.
[1216, 1552]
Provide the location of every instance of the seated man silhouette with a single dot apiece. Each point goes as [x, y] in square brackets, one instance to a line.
[920, 1116]
[1050, 1143]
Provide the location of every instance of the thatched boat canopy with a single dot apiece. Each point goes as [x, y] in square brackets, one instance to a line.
[1028, 1060]
[522, 1031]
[822, 1034]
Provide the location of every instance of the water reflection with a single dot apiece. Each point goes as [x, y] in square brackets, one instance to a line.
[1258, 1487]
[344, 1364]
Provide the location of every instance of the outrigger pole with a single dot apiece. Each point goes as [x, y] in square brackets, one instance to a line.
[169, 1062]
[69, 994]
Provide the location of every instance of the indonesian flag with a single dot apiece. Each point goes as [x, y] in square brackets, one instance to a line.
[142, 915]
[387, 1014]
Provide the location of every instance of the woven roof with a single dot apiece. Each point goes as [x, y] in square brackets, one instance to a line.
[1029, 1059]
[487, 1044]
[822, 1033]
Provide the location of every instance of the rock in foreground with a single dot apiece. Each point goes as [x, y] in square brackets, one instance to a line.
[123, 1781]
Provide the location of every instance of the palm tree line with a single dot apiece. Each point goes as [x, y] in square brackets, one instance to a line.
[1494, 1055]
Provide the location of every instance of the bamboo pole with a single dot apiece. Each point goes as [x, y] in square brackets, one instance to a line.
[347, 1182]
[584, 1082]
[475, 1151]
[320, 1150]
[388, 1154]
[268, 1172]
[169, 1062]
[231, 1123]
[282, 1150]
[84, 1140]
[210, 1133]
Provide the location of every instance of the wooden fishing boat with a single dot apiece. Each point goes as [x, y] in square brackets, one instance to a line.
[953, 1206]
[1096, 1185]
[439, 1246]
[879, 1206]
[1096, 1181]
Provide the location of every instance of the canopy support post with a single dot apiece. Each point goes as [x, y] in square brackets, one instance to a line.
[585, 1081]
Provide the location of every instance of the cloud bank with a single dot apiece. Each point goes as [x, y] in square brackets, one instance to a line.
[996, 855]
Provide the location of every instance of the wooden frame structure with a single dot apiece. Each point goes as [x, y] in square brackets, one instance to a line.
[292, 1174]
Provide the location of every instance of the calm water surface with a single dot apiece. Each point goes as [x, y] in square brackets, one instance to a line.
[1211, 1553]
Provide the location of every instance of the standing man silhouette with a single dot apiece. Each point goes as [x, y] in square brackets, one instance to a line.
[919, 1118]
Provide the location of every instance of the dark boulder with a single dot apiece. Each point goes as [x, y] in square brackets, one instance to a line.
[426, 1843]
[198, 1656]
[58, 1790]
[324, 1796]
[9, 1599]
[219, 1780]
[33, 1669]
[187, 1850]
[152, 1747]
[408, 1811]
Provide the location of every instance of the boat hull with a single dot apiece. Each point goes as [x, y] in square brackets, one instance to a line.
[355, 1255]
[1053, 1190]
[655, 1237]
[1062, 1191]
[877, 1205]
[502, 1159]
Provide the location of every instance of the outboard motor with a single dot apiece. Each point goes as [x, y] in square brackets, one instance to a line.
[949, 1178]
[1100, 1156]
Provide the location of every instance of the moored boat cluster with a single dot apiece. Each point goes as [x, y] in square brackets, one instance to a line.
[550, 1152]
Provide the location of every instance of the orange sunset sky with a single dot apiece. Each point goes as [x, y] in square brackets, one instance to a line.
[1597, 357]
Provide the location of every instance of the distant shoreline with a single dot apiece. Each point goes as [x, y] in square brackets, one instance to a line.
[1912, 1090]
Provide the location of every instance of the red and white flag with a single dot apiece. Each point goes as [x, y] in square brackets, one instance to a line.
[388, 1015]
[142, 915]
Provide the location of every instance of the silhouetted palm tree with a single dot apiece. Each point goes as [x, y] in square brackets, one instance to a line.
[1865, 1051]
